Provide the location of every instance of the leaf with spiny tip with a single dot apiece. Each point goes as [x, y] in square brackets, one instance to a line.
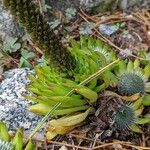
[58, 89]
[92, 84]
[68, 83]
[83, 42]
[68, 100]
[113, 55]
[33, 98]
[139, 111]
[43, 99]
[126, 98]
[110, 78]
[100, 87]
[32, 78]
[53, 132]
[91, 43]
[122, 66]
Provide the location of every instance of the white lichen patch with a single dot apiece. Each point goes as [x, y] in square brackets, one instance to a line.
[13, 107]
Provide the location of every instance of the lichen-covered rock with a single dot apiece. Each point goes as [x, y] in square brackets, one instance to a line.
[13, 107]
[139, 3]
[8, 26]
[109, 5]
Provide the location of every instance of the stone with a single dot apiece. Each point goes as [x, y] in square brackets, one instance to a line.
[13, 107]
[8, 26]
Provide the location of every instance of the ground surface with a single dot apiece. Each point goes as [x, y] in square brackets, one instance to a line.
[126, 33]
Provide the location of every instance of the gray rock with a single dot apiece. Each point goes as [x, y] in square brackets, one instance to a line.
[8, 26]
[108, 29]
[139, 3]
[13, 107]
[95, 6]
[90, 4]
[122, 4]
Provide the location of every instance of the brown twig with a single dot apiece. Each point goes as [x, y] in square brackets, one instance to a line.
[35, 47]
[69, 145]
[45, 143]
[128, 144]
[85, 138]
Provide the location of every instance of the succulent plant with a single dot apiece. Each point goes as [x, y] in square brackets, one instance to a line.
[15, 143]
[74, 100]
[79, 60]
[124, 117]
[130, 77]
[129, 116]
[49, 88]
[91, 54]
[131, 83]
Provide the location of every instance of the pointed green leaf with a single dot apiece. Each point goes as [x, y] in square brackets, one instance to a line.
[142, 120]
[135, 128]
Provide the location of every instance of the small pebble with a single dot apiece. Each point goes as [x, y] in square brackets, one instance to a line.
[108, 29]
